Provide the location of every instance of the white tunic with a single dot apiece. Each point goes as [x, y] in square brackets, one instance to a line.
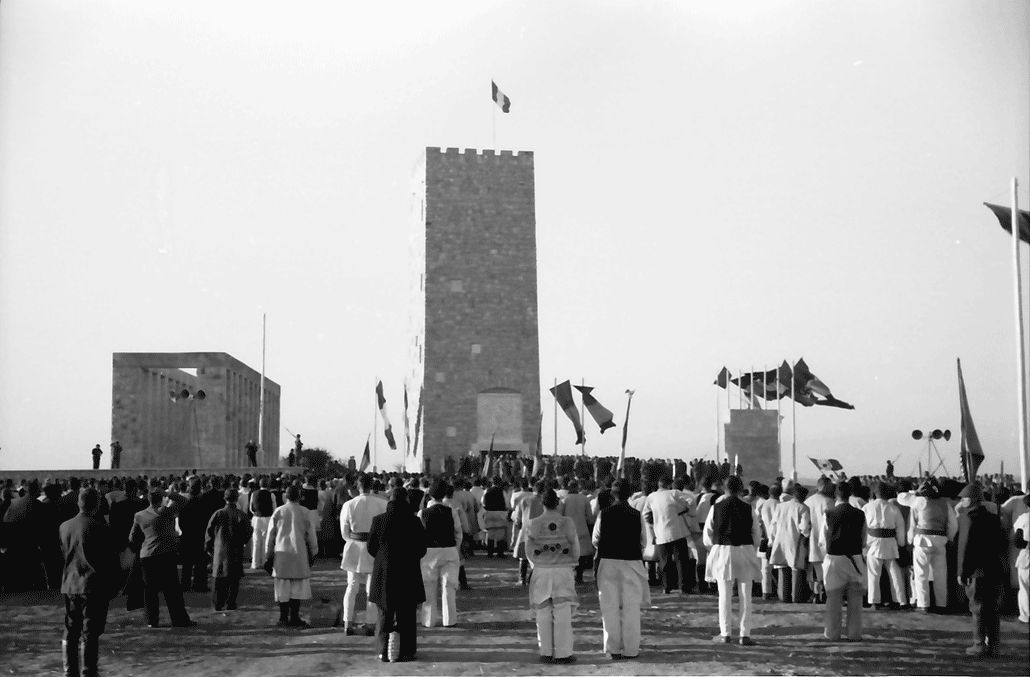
[356, 518]
[732, 562]
[880, 514]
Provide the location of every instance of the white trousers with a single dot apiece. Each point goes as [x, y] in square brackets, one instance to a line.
[930, 562]
[257, 541]
[726, 607]
[350, 598]
[1024, 595]
[435, 575]
[874, 568]
[554, 630]
[619, 593]
[768, 585]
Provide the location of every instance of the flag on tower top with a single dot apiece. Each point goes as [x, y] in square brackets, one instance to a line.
[500, 98]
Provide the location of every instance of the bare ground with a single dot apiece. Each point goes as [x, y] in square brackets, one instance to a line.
[496, 635]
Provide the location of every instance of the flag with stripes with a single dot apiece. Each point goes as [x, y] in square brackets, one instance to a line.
[500, 98]
[830, 467]
[809, 389]
[387, 427]
[407, 425]
[366, 457]
[972, 452]
[625, 434]
[538, 456]
[489, 462]
[598, 412]
[418, 423]
[563, 394]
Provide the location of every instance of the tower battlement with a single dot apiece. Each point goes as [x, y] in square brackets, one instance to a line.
[482, 153]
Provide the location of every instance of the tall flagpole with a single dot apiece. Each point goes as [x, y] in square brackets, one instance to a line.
[717, 436]
[582, 419]
[1020, 353]
[375, 425]
[555, 419]
[261, 395]
[793, 424]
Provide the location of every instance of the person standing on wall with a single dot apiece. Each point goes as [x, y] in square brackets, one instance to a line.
[252, 450]
[116, 455]
[97, 453]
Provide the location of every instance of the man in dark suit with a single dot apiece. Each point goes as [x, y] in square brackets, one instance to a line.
[193, 519]
[88, 583]
[981, 546]
[227, 534]
[24, 538]
[153, 536]
[397, 541]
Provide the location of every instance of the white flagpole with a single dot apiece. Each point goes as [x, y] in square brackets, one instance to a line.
[718, 438]
[261, 395]
[375, 425]
[1020, 354]
[793, 425]
[582, 419]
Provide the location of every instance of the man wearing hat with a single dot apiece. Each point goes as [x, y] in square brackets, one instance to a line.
[227, 534]
[933, 525]
[981, 545]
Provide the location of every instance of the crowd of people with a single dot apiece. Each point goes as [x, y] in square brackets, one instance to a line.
[403, 540]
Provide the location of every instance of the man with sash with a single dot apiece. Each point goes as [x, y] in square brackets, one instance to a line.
[842, 536]
[933, 525]
[885, 536]
[355, 522]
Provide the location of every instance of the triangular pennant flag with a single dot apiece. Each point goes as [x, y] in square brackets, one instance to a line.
[1004, 215]
[602, 416]
[387, 428]
[972, 452]
[809, 389]
[563, 394]
[723, 379]
[366, 457]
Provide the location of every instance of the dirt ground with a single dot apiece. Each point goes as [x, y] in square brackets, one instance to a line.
[496, 635]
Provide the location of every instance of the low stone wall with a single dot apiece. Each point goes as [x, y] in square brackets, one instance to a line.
[65, 473]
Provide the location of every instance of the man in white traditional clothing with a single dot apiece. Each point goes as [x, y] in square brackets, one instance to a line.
[885, 536]
[731, 534]
[576, 507]
[441, 561]
[933, 525]
[818, 503]
[842, 538]
[355, 522]
[788, 542]
[1021, 541]
[767, 512]
[552, 547]
[291, 546]
[620, 537]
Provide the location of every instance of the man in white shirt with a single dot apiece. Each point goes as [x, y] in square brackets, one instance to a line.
[355, 522]
[440, 563]
[818, 503]
[885, 536]
[933, 525]
[1021, 540]
[666, 512]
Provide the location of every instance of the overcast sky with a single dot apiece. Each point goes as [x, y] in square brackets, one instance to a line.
[716, 183]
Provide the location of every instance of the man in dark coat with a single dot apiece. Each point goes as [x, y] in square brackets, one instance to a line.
[193, 519]
[153, 537]
[397, 541]
[228, 532]
[24, 538]
[981, 546]
[88, 583]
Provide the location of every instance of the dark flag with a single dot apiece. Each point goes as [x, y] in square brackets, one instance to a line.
[418, 423]
[602, 416]
[563, 393]
[723, 379]
[744, 383]
[809, 388]
[500, 98]
[387, 428]
[538, 457]
[972, 452]
[620, 469]
[488, 464]
[366, 458]
[1004, 215]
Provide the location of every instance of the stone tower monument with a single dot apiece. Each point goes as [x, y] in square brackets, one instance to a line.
[475, 360]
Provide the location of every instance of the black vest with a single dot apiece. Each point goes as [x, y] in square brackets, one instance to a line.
[732, 520]
[620, 533]
[263, 503]
[844, 524]
[439, 523]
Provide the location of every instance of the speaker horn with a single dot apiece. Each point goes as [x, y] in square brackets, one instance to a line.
[917, 434]
[937, 433]
[201, 395]
[947, 435]
[185, 394]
